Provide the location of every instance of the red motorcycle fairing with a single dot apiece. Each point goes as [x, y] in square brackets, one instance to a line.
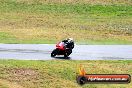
[60, 46]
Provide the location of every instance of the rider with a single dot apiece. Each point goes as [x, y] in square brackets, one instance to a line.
[69, 43]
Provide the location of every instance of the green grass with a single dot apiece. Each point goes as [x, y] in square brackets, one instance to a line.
[6, 37]
[10, 39]
[85, 9]
[60, 73]
[43, 22]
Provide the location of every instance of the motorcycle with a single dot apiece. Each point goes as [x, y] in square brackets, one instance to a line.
[61, 49]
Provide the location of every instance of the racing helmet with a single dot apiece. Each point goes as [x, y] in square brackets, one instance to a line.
[70, 39]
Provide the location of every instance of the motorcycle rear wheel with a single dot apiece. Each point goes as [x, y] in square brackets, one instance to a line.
[68, 52]
[66, 55]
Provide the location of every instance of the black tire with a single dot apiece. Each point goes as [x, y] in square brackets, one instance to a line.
[68, 52]
[66, 55]
[54, 53]
[81, 80]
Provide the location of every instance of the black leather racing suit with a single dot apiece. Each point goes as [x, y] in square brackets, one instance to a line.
[69, 45]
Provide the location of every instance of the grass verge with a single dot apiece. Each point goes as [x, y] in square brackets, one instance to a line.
[43, 22]
[60, 73]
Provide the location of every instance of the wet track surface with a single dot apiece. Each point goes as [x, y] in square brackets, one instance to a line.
[80, 52]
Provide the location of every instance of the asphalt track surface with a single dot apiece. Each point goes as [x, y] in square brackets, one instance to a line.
[80, 52]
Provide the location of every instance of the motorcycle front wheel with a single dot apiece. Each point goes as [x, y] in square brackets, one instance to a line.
[54, 53]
